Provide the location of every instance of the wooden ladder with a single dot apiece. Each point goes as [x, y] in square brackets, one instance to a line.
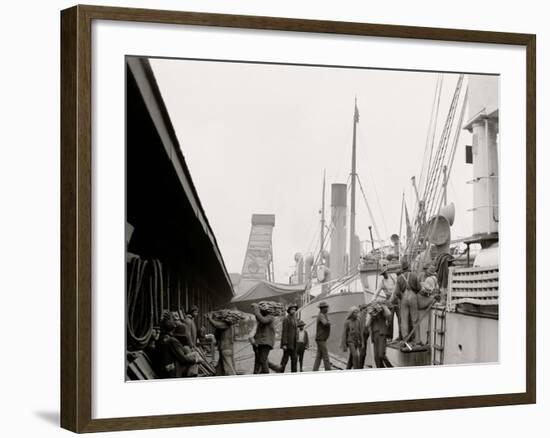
[438, 344]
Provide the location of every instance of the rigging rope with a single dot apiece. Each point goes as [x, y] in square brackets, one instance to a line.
[432, 189]
[368, 208]
[430, 135]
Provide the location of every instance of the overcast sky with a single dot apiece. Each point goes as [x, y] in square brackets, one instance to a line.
[257, 138]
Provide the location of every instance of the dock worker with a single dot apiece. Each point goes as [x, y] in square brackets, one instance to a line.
[395, 299]
[173, 358]
[302, 343]
[377, 325]
[405, 292]
[264, 338]
[351, 338]
[224, 338]
[257, 368]
[288, 339]
[429, 287]
[365, 334]
[189, 320]
[386, 285]
[187, 360]
[321, 337]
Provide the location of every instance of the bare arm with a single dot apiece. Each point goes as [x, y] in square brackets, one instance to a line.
[218, 324]
[378, 290]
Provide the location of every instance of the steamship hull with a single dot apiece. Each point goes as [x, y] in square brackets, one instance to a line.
[339, 305]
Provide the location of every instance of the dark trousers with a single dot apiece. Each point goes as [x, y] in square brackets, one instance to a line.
[363, 350]
[395, 311]
[261, 359]
[354, 356]
[322, 353]
[379, 347]
[409, 309]
[288, 353]
[300, 350]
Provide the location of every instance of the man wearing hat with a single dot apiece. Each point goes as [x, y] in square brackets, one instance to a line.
[224, 337]
[405, 293]
[397, 295]
[189, 321]
[187, 359]
[176, 359]
[321, 336]
[386, 285]
[302, 343]
[289, 336]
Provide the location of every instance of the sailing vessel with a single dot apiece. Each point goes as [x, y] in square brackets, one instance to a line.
[463, 326]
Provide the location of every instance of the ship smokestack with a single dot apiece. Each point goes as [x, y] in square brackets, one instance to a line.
[483, 124]
[338, 205]
[299, 270]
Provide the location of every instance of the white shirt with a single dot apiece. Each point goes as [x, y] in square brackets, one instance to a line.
[385, 287]
[301, 335]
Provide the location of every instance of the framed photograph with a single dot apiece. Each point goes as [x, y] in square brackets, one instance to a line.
[270, 218]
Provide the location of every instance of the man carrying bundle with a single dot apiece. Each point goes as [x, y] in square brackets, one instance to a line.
[224, 338]
[377, 325]
[288, 339]
[264, 339]
[351, 338]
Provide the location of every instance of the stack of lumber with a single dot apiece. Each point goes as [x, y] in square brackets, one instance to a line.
[272, 308]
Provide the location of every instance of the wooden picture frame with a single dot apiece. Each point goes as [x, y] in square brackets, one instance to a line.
[76, 217]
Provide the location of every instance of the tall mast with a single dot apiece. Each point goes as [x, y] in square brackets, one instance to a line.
[353, 176]
[321, 246]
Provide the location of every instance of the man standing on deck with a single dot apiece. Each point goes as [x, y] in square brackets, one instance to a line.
[397, 294]
[405, 293]
[288, 339]
[386, 285]
[323, 333]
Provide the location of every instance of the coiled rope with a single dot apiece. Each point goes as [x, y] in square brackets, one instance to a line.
[144, 301]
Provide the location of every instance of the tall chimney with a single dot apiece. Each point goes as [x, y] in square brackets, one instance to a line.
[338, 237]
[483, 124]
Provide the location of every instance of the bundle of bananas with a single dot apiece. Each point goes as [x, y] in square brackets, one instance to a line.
[373, 308]
[227, 315]
[272, 308]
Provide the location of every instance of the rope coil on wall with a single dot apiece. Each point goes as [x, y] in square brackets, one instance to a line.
[144, 301]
